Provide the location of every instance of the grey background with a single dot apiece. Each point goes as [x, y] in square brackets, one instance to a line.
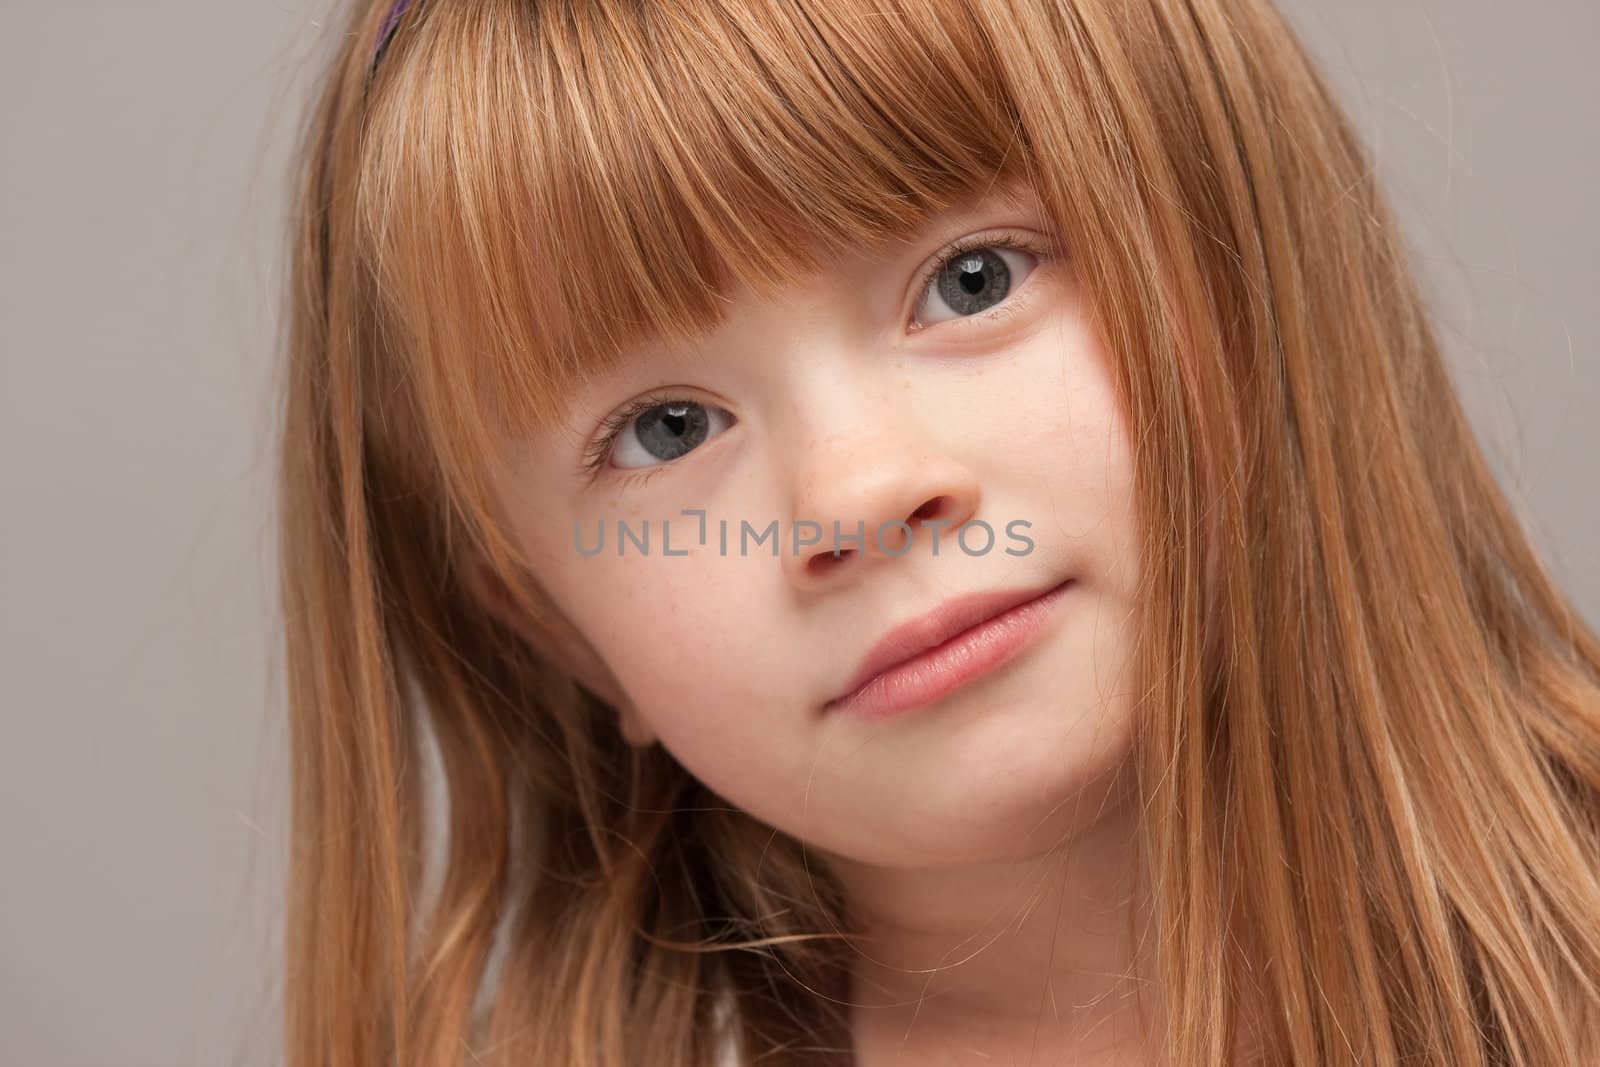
[142, 765]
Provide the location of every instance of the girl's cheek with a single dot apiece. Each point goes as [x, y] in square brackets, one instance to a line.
[670, 622]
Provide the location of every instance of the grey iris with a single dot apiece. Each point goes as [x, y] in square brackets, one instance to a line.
[974, 281]
[667, 431]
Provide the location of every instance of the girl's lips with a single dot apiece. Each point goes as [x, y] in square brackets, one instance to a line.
[921, 660]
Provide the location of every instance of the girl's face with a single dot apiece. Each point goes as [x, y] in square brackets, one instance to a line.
[868, 395]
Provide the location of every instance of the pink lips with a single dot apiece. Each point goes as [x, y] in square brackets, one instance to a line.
[921, 660]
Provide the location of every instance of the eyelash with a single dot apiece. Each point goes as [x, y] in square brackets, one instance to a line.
[594, 458]
[613, 425]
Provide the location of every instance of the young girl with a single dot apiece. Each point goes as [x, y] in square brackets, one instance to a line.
[925, 532]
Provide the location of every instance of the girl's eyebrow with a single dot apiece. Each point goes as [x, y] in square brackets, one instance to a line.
[963, 213]
[1008, 193]
[1003, 195]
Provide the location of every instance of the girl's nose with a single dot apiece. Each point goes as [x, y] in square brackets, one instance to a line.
[856, 506]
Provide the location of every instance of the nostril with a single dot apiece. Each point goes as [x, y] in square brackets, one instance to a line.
[929, 509]
[823, 561]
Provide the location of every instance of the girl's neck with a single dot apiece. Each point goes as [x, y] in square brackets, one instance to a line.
[1007, 962]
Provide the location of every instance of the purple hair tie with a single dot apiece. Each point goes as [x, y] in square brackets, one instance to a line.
[391, 22]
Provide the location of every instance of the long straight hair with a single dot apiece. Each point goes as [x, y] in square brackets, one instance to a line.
[1368, 733]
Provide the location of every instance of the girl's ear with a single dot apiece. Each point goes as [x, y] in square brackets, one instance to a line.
[554, 635]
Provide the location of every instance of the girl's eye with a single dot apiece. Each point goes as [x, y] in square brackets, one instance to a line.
[976, 275]
[652, 432]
